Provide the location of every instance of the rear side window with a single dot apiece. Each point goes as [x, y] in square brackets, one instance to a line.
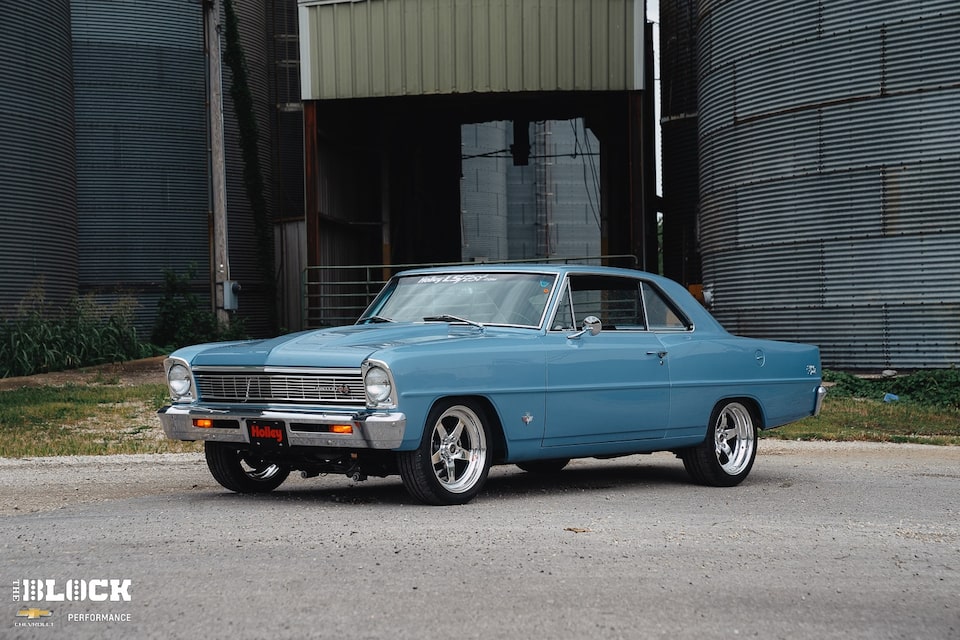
[661, 314]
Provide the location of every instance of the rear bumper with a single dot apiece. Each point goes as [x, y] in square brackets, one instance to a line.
[305, 429]
[818, 404]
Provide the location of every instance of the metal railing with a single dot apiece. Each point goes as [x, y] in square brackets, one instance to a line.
[337, 295]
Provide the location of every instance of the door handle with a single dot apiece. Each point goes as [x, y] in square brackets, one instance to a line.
[659, 354]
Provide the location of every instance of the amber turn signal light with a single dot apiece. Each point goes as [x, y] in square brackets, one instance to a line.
[341, 428]
[203, 423]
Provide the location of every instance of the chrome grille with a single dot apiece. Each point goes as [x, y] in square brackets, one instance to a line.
[341, 387]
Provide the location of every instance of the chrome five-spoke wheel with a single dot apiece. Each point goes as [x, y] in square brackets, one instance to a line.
[726, 455]
[453, 459]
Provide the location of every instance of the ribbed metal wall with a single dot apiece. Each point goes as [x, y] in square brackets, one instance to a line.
[139, 77]
[38, 190]
[288, 111]
[286, 120]
[412, 47]
[678, 81]
[256, 304]
[829, 138]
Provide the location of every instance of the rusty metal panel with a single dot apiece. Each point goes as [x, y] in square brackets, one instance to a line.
[414, 47]
[828, 162]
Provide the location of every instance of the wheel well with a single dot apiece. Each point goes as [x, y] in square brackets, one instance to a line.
[752, 406]
[499, 441]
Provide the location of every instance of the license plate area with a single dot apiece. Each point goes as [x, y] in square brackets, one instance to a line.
[267, 434]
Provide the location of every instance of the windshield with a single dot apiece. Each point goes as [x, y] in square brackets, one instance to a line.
[517, 299]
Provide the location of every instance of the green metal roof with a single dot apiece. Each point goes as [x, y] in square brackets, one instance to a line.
[373, 48]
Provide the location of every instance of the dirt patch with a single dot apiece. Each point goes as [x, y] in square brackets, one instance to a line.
[127, 426]
[133, 373]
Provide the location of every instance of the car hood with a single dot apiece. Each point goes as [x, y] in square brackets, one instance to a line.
[338, 347]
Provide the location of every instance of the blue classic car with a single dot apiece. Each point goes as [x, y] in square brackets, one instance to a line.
[451, 370]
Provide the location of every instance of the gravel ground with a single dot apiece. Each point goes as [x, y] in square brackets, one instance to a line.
[824, 541]
[41, 484]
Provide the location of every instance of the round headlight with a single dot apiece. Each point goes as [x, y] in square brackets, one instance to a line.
[178, 379]
[377, 383]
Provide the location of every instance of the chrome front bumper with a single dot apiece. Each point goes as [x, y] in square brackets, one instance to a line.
[305, 429]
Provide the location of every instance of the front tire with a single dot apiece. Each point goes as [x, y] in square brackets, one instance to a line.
[726, 455]
[452, 462]
[242, 471]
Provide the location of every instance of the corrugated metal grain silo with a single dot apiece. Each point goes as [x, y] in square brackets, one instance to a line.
[141, 140]
[829, 164]
[38, 188]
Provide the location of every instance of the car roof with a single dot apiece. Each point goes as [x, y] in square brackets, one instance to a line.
[545, 267]
[529, 267]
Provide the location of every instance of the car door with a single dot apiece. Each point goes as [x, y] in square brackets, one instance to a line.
[610, 387]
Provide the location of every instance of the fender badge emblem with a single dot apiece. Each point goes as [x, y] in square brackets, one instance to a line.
[527, 418]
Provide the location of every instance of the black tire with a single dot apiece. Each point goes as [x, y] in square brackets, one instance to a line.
[544, 467]
[726, 455]
[242, 471]
[452, 462]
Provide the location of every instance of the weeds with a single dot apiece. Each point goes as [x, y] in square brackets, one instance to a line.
[926, 409]
[182, 319]
[80, 335]
[850, 419]
[43, 338]
[929, 387]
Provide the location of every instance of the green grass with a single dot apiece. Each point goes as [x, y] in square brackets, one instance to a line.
[850, 418]
[90, 419]
[927, 411]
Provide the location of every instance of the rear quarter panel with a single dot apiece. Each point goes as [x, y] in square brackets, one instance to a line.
[780, 377]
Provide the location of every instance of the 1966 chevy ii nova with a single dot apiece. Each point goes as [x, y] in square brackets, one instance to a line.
[451, 370]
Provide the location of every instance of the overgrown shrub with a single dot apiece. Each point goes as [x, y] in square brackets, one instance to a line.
[930, 387]
[82, 334]
[182, 318]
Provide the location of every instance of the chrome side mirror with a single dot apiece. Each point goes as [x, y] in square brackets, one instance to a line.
[591, 325]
